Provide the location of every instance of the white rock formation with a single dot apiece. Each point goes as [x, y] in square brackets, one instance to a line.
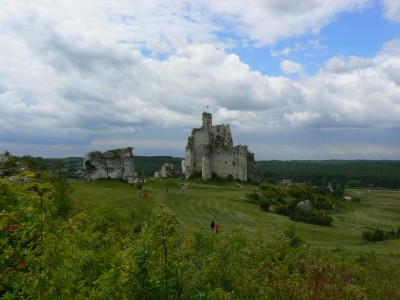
[116, 164]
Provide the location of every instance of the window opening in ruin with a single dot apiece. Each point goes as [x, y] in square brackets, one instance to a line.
[226, 162]
[233, 163]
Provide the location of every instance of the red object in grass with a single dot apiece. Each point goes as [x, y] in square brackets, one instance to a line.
[12, 227]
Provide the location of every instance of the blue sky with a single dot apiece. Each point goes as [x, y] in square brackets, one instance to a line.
[310, 79]
[355, 33]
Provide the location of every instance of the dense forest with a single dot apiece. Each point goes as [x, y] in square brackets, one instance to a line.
[349, 173]
[147, 165]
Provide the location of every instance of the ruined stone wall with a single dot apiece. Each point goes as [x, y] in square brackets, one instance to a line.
[210, 150]
[206, 165]
[222, 136]
[187, 163]
[232, 161]
[206, 122]
[252, 172]
[201, 137]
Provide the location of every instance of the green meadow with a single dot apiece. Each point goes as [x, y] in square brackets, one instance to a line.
[116, 242]
[224, 203]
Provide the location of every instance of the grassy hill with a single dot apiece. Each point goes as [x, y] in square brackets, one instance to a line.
[102, 248]
[224, 203]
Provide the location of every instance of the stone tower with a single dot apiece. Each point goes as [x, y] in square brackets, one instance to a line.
[210, 151]
[206, 121]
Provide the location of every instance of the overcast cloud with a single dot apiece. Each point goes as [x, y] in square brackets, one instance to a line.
[96, 75]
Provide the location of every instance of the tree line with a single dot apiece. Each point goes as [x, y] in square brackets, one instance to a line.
[349, 173]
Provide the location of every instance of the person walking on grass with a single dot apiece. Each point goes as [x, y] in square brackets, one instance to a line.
[212, 225]
[217, 227]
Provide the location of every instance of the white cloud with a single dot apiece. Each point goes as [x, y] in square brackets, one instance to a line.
[287, 50]
[356, 92]
[392, 10]
[390, 49]
[266, 22]
[162, 27]
[353, 63]
[291, 67]
[97, 74]
[302, 117]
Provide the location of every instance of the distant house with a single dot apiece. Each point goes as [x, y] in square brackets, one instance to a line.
[138, 180]
[287, 182]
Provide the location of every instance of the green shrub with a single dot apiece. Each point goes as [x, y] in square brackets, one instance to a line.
[324, 205]
[299, 191]
[311, 217]
[253, 198]
[281, 209]
[264, 205]
[377, 235]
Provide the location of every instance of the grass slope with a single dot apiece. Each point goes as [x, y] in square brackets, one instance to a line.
[224, 203]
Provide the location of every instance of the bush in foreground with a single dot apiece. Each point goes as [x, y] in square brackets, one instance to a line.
[92, 254]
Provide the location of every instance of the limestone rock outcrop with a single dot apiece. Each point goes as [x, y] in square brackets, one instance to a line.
[167, 170]
[115, 164]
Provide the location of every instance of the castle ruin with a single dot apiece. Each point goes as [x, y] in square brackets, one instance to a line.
[210, 151]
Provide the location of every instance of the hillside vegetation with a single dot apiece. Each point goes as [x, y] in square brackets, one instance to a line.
[67, 239]
[109, 239]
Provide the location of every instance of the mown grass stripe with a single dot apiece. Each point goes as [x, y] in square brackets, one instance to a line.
[225, 203]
